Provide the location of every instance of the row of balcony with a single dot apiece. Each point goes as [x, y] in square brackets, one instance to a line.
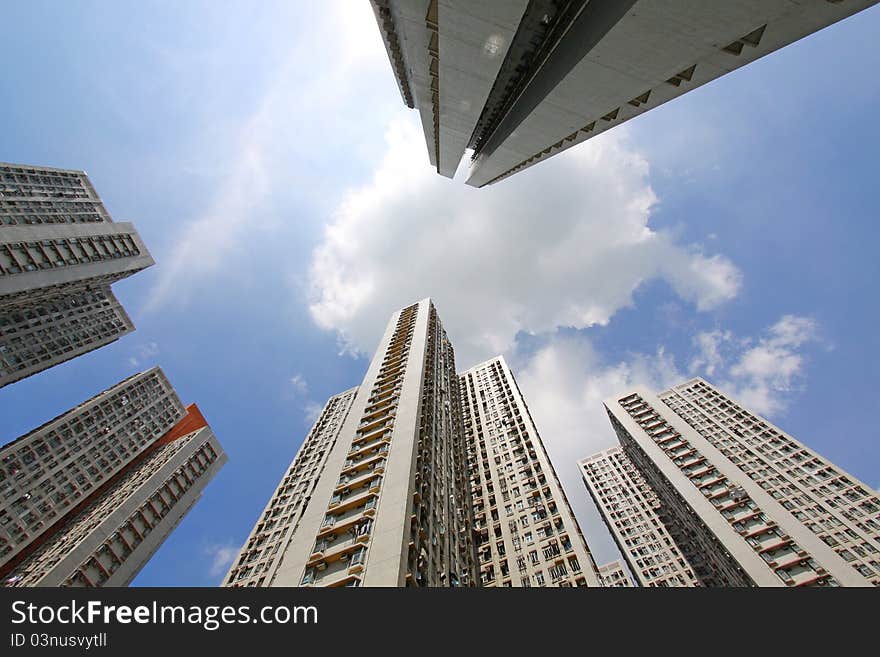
[366, 457]
[350, 517]
[346, 498]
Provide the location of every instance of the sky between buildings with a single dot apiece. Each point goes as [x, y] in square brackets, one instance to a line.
[264, 154]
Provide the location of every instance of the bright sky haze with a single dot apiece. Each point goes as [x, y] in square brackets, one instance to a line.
[265, 156]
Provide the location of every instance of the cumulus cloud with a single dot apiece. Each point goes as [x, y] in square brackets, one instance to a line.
[566, 379]
[564, 383]
[564, 244]
[220, 557]
[764, 373]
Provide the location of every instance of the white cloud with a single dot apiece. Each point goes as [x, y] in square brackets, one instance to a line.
[299, 391]
[564, 244]
[565, 381]
[144, 352]
[299, 384]
[709, 357]
[311, 411]
[280, 142]
[764, 373]
[220, 557]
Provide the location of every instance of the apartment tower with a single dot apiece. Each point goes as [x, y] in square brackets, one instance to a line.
[634, 516]
[761, 508]
[87, 498]
[514, 82]
[59, 253]
[526, 532]
[257, 562]
[386, 499]
[613, 575]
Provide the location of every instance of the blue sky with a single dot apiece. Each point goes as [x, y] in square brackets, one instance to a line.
[265, 157]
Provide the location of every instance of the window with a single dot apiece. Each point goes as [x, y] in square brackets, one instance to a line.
[846, 554]
[358, 556]
[558, 571]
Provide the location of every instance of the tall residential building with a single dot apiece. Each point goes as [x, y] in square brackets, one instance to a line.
[59, 253]
[634, 516]
[613, 575]
[388, 500]
[526, 532]
[87, 498]
[259, 558]
[517, 81]
[759, 507]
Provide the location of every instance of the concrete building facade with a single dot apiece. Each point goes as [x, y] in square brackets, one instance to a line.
[515, 82]
[834, 505]
[259, 558]
[87, 498]
[716, 499]
[635, 518]
[391, 504]
[613, 575]
[59, 253]
[526, 532]
[419, 477]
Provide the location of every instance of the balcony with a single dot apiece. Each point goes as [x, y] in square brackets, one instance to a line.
[330, 551]
[731, 504]
[386, 395]
[346, 520]
[377, 461]
[744, 515]
[652, 424]
[357, 480]
[777, 542]
[716, 492]
[370, 426]
[681, 452]
[379, 447]
[787, 560]
[376, 410]
[381, 386]
[356, 498]
[386, 379]
[808, 577]
[361, 443]
[712, 480]
[690, 463]
[393, 358]
[338, 578]
[344, 493]
[700, 471]
[394, 368]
